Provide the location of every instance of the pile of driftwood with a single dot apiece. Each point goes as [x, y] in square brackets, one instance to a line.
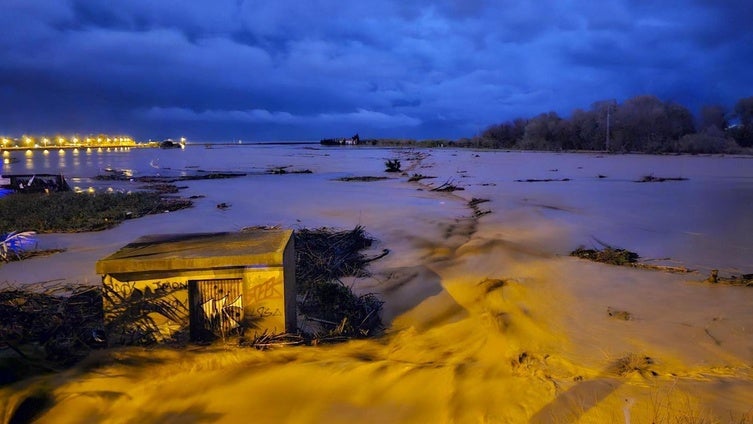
[608, 255]
[622, 257]
[323, 256]
[61, 324]
[326, 254]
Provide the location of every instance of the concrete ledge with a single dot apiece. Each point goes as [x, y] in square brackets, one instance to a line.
[168, 252]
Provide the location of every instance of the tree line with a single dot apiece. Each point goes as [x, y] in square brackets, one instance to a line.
[640, 124]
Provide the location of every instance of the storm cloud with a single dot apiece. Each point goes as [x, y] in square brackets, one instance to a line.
[287, 70]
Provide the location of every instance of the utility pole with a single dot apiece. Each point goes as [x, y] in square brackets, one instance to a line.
[609, 110]
[609, 120]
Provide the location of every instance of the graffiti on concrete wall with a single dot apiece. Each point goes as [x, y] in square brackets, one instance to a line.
[217, 306]
[267, 290]
[142, 312]
[223, 315]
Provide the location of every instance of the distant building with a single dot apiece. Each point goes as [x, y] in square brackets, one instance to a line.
[341, 141]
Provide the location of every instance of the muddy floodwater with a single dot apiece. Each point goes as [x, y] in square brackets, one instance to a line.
[489, 319]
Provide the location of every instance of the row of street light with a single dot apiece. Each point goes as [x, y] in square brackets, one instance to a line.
[28, 142]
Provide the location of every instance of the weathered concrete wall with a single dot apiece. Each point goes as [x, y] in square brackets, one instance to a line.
[159, 305]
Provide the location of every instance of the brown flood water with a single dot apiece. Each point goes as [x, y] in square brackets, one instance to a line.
[489, 319]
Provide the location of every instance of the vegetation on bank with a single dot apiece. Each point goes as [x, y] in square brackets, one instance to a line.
[623, 257]
[608, 255]
[640, 124]
[79, 212]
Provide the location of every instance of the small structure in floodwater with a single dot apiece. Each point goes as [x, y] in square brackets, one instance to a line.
[212, 284]
[34, 183]
[170, 144]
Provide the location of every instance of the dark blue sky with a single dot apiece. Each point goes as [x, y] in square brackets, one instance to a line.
[302, 70]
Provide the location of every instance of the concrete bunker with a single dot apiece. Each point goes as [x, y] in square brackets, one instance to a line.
[206, 285]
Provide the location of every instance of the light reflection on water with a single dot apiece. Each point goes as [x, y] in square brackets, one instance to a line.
[79, 165]
[61, 160]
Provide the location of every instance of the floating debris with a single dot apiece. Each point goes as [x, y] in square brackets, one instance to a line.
[418, 177]
[634, 363]
[619, 315]
[545, 180]
[607, 255]
[392, 165]
[652, 179]
[622, 257]
[478, 212]
[266, 340]
[362, 179]
[491, 284]
[282, 170]
[447, 187]
[734, 280]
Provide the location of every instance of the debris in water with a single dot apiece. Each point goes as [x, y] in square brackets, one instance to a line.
[620, 315]
[651, 179]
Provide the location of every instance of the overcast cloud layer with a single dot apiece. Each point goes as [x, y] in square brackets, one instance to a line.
[285, 70]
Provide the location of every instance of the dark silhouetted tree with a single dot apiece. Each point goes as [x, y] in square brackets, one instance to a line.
[713, 116]
[645, 123]
[743, 131]
[505, 135]
[679, 121]
[585, 127]
[544, 132]
[640, 123]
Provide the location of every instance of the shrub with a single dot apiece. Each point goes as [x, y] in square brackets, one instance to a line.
[393, 165]
[711, 140]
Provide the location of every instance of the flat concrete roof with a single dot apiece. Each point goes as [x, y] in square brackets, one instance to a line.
[166, 252]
